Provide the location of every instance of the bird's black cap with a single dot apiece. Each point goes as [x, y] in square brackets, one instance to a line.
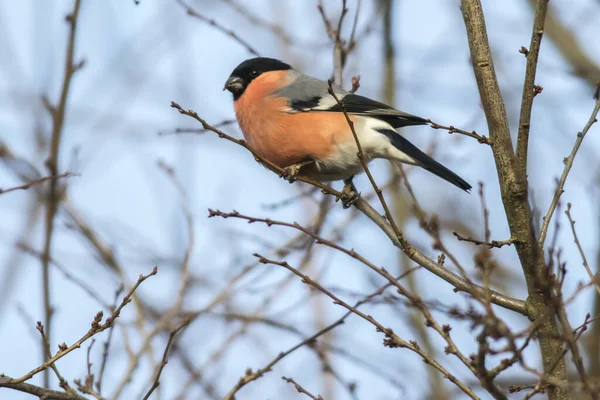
[249, 70]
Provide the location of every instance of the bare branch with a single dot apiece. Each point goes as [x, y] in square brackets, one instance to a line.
[54, 196]
[391, 339]
[37, 182]
[40, 392]
[581, 252]
[563, 178]
[300, 389]
[492, 244]
[570, 47]
[513, 188]
[164, 360]
[451, 129]
[217, 26]
[97, 327]
[529, 87]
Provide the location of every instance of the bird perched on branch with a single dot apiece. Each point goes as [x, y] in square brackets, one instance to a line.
[298, 123]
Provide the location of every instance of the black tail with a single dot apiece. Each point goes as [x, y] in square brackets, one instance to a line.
[424, 160]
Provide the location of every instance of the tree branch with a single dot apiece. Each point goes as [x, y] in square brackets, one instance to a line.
[529, 91]
[394, 235]
[58, 119]
[42, 393]
[513, 188]
[35, 182]
[563, 178]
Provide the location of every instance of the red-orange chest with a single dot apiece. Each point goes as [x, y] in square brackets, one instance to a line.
[265, 125]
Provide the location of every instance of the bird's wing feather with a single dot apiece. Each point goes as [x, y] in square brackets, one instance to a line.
[360, 105]
[306, 94]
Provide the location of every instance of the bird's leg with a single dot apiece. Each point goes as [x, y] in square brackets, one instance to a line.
[290, 172]
[349, 195]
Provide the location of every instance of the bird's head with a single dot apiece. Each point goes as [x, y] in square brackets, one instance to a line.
[249, 70]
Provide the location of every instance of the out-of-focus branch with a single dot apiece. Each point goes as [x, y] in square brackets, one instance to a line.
[36, 182]
[513, 188]
[341, 47]
[529, 92]
[566, 42]
[54, 195]
[192, 12]
[255, 19]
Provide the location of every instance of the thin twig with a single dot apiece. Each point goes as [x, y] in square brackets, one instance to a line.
[529, 91]
[40, 392]
[97, 327]
[451, 129]
[491, 244]
[563, 178]
[581, 252]
[312, 339]
[471, 288]
[62, 382]
[191, 11]
[106, 345]
[54, 195]
[36, 182]
[300, 389]
[190, 113]
[362, 205]
[252, 376]
[364, 163]
[164, 360]
[391, 339]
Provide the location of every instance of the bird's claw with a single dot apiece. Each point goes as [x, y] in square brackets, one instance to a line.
[350, 199]
[290, 173]
[349, 196]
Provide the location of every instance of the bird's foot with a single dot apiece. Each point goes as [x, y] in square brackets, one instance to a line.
[350, 195]
[290, 173]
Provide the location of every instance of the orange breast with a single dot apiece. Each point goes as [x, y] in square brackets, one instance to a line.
[284, 138]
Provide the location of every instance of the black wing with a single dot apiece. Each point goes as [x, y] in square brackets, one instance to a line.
[360, 105]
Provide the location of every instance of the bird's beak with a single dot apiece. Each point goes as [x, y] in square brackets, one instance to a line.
[233, 84]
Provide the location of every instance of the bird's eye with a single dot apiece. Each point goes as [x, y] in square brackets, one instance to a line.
[253, 74]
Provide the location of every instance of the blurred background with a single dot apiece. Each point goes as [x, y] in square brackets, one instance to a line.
[143, 188]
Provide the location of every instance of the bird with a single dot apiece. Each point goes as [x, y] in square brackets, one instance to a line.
[294, 121]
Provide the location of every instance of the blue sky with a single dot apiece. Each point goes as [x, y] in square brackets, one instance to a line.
[140, 58]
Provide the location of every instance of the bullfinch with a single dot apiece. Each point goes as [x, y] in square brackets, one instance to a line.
[292, 120]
